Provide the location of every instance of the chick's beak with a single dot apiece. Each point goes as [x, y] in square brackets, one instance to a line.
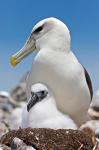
[33, 100]
[28, 48]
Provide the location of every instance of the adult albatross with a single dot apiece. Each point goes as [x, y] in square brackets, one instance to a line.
[56, 66]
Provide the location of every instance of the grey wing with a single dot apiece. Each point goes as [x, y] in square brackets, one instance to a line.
[89, 83]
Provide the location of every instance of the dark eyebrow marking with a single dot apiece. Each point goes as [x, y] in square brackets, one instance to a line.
[42, 94]
[38, 29]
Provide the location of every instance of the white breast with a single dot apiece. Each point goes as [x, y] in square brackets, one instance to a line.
[65, 76]
[46, 115]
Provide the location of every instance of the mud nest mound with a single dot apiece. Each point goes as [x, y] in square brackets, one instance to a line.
[49, 139]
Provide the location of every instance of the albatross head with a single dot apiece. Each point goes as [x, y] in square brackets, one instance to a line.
[48, 33]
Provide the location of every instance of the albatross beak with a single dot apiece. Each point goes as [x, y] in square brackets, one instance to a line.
[28, 48]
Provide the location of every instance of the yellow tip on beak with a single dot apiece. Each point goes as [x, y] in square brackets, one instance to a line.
[13, 61]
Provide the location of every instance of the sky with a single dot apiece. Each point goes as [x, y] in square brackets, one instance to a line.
[17, 17]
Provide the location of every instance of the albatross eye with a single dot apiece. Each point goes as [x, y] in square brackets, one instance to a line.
[38, 29]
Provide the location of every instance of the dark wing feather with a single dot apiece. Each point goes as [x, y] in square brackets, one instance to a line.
[89, 83]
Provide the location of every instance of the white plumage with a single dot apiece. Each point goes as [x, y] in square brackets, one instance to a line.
[44, 114]
[56, 66]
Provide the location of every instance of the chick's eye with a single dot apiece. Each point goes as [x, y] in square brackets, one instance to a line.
[43, 92]
[38, 29]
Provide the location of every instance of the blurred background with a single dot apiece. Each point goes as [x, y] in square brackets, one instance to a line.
[17, 17]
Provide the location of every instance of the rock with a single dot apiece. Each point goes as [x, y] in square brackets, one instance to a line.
[90, 132]
[18, 94]
[4, 115]
[93, 111]
[4, 128]
[96, 147]
[4, 147]
[5, 101]
[92, 124]
[4, 97]
[4, 122]
[18, 144]
[49, 139]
